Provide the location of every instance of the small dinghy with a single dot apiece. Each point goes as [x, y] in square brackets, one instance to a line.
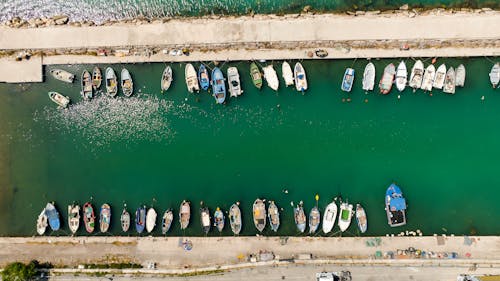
[235, 218]
[300, 78]
[369, 77]
[256, 75]
[233, 79]
[166, 221]
[287, 73]
[87, 88]
[449, 81]
[203, 77]
[140, 219]
[218, 86]
[428, 78]
[387, 80]
[88, 217]
[184, 214]
[314, 220]
[401, 76]
[73, 218]
[151, 220]
[127, 83]
[166, 78]
[329, 217]
[205, 219]
[125, 220]
[63, 75]
[271, 77]
[345, 216]
[273, 216]
[96, 78]
[460, 76]
[417, 73]
[59, 99]
[300, 218]
[259, 214]
[219, 219]
[347, 80]
[440, 76]
[41, 223]
[111, 82]
[191, 79]
[361, 218]
[495, 75]
[53, 216]
[105, 217]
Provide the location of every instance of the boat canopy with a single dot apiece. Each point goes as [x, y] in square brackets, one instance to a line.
[398, 204]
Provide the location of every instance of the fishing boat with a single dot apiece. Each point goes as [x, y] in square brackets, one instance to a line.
[59, 99]
[273, 215]
[127, 83]
[329, 217]
[495, 75]
[73, 218]
[203, 77]
[449, 81]
[184, 214]
[87, 88]
[369, 77]
[52, 216]
[88, 217]
[428, 78]
[256, 75]
[271, 77]
[166, 221]
[166, 78]
[41, 222]
[235, 218]
[314, 220]
[219, 219]
[140, 219]
[347, 80]
[417, 73]
[440, 76]
[395, 206]
[401, 76]
[361, 218]
[460, 76]
[218, 86]
[150, 220]
[300, 218]
[300, 77]
[111, 82]
[96, 78]
[205, 219]
[125, 220]
[191, 79]
[287, 73]
[233, 79]
[387, 80]
[63, 75]
[105, 217]
[345, 216]
[259, 214]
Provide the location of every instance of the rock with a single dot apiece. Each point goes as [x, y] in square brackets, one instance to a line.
[60, 20]
[50, 22]
[351, 13]
[77, 24]
[412, 14]
[16, 20]
[32, 23]
[39, 22]
[360, 13]
[404, 7]
[307, 9]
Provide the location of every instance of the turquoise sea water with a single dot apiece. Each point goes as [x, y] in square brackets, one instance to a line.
[158, 149]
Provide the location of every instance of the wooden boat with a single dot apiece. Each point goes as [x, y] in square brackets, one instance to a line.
[140, 219]
[440, 76]
[460, 76]
[259, 214]
[329, 217]
[184, 214]
[150, 220]
[449, 81]
[395, 206]
[59, 99]
[219, 219]
[111, 82]
[233, 79]
[125, 220]
[271, 77]
[369, 77]
[495, 75]
[401, 76]
[345, 216]
[361, 218]
[256, 75]
[347, 80]
[287, 73]
[87, 89]
[205, 219]
[96, 78]
[41, 223]
[428, 78]
[191, 79]
[274, 216]
[300, 218]
[218, 86]
[235, 218]
[166, 221]
[387, 80]
[417, 73]
[73, 218]
[203, 77]
[314, 220]
[52, 216]
[63, 75]
[166, 78]
[105, 217]
[300, 77]
[127, 83]
[88, 217]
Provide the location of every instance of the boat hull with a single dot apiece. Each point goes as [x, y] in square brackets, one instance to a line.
[87, 87]
[271, 77]
[345, 216]
[235, 219]
[218, 86]
[300, 78]
[314, 220]
[184, 214]
[52, 216]
[166, 222]
[105, 218]
[96, 78]
[88, 217]
[41, 223]
[300, 218]
[150, 220]
[140, 219]
[395, 206]
[166, 78]
[125, 220]
[347, 80]
[111, 82]
[73, 218]
[287, 74]
[233, 79]
[259, 215]
[191, 79]
[385, 84]
[127, 83]
[440, 77]
[416, 76]
[203, 77]
[273, 216]
[329, 217]
[361, 218]
[401, 76]
[205, 219]
[369, 77]
[219, 219]
[256, 75]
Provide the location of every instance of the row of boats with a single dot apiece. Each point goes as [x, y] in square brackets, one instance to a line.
[146, 219]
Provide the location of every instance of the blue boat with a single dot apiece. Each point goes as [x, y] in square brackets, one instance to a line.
[395, 206]
[348, 80]
[203, 77]
[218, 85]
[53, 216]
[140, 219]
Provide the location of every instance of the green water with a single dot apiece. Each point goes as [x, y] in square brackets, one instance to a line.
[158, 149]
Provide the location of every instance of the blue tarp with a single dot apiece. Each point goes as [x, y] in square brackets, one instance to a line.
[398, 204]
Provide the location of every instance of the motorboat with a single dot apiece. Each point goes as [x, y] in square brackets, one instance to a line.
[96, 78]
[369, 77]
[52, 216]
[361, 218]
[219, 219]
[314, 220]
[88, 217]
[191, 79]
[127, 83]
[271, 77]
[233, 79]
[259, 214]
[166, 221]
[460, 76]
[417, 73]
[395, 206]
[87, 88]
[347, 80]
[235, 218]
[203, 77]
[59, 99]
[329, 217]
[41, 223]
[105, 217]
[218, 86]
[140, 219]
[125, 220]
[166, 78]
[287, 74]
[184, 214]
[73, 217]
[274, 216]
[205, 219]
[428, 78]
[300, 77]
[401, 76]
[111, 82]
[151, 219]
[440, 76]
[345, 216]
[387, 80]
[300, 218]
[63, 75]
[449, 81]
[256, 75]
[495, 75]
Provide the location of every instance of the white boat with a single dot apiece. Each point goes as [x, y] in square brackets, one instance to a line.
[387, 80]
[191, 79]
[41, 223]
[300, 77]
[63, 75]
[233, 79]
[417, 73]
[439, 78]
[368, 78]
[329, 217]
[314, 220]
[150, 219]
[73, 218]
[111, 82]
[287, 73]
[166, 78]
[460, 76]
[59, 99]
[345, 216]
[495, 75]
[361, 218]
[401, 76]
[449, 81]
[184, 214]
[271, 77]
[428, 78]
[127, 83]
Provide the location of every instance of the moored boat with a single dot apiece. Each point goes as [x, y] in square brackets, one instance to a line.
[329, 217]
[387, 80]
[73, 217]
[191, 78]
[111, 82]
[300, 77]
[235, 218]
[440, 76]
[166, 221]
[88, 217]
[59, 99]
[127, 83]
[401, 76]
[125, 220]
[41, 223]
[184, 214]
[166, 78]
[449, 81]
[63, 75]
[233, 79]
[417, 73]
[105, 217]
[361, 218]
[52, 216]
[203, 77]
[218, 86]
[395, 206]
[140, 219]
[495, 75]
[205, 219]
[273, 216]
[259, 214]
[271, 77]
[256, 75]
[347, 80]
[96, 78]
[314, 220]
[219, 219]
[428, 78]
[87, 88]
[369, 77]
[345, 216]
[300, 218]
[287, 73]
[460, 76]
[151, 219]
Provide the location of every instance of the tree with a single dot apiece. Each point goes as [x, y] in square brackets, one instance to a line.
[18, 271]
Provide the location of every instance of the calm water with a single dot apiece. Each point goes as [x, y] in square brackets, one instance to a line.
[158, 149]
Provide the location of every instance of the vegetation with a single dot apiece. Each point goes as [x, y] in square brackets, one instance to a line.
[19, 271]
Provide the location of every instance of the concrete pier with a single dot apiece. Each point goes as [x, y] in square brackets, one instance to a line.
[12, 71]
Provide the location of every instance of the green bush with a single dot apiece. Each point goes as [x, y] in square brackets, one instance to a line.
[18, 271]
